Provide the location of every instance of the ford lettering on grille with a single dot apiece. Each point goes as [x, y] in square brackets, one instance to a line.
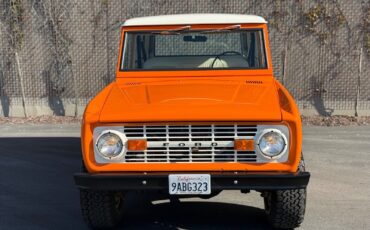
[189, 144]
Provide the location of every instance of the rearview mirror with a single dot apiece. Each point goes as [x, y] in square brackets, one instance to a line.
[189, 38]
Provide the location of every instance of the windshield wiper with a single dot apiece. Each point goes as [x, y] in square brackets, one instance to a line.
[228, 28]
[174, 31]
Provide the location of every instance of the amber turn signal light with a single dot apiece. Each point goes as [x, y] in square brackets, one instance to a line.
[243, 145]
[136, 144]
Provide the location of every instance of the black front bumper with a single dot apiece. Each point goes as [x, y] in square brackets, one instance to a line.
[219, 181]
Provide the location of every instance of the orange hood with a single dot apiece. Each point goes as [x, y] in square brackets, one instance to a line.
[192, 100]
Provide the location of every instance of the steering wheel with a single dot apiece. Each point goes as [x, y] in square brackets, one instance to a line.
[223, 54]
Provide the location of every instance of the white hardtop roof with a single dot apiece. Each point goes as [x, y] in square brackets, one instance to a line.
[189, 19]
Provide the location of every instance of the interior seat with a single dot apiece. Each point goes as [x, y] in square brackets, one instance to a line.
[195, 62]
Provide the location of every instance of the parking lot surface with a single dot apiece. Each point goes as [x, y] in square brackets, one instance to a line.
[37, 189]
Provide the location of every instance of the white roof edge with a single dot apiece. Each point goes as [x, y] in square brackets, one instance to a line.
[191, 19]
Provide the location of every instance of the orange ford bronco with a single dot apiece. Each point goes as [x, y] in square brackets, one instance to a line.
[194, 110]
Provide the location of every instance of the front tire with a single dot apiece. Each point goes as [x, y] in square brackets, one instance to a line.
[101, 209]
[285, 208]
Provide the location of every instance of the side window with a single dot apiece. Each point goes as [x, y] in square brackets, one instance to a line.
[137, 49]
[261, 57]
[253, 49]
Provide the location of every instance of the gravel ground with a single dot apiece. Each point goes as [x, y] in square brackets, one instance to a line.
[335, 120]
[40, 120]
[308, 121]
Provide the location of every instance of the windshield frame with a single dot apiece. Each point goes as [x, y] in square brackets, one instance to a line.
[267, 70]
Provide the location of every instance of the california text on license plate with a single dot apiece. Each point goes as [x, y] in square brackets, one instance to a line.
[180, 184]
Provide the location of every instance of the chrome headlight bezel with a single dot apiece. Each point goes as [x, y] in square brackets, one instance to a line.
[99, 155]
[283, 131]
[269, 155]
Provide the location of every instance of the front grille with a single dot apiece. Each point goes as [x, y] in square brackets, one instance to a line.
[190, 143]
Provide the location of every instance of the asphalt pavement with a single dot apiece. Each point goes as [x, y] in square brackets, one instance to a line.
[37, 189]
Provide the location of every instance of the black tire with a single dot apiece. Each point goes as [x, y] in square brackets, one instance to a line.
[286, 208]
[101, 209]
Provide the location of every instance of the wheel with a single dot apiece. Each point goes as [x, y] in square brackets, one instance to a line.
[101, 209]
[286, 208]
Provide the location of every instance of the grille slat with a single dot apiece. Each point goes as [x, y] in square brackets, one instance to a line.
[177, 143]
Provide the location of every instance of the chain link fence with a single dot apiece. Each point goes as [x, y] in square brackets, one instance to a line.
[55, 55]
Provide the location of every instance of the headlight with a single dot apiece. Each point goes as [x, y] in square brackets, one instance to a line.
[272, 142]
[111, 144]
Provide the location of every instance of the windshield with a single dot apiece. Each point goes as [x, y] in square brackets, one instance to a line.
[189, 50]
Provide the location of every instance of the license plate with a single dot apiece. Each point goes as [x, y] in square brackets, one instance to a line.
[185, 184]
